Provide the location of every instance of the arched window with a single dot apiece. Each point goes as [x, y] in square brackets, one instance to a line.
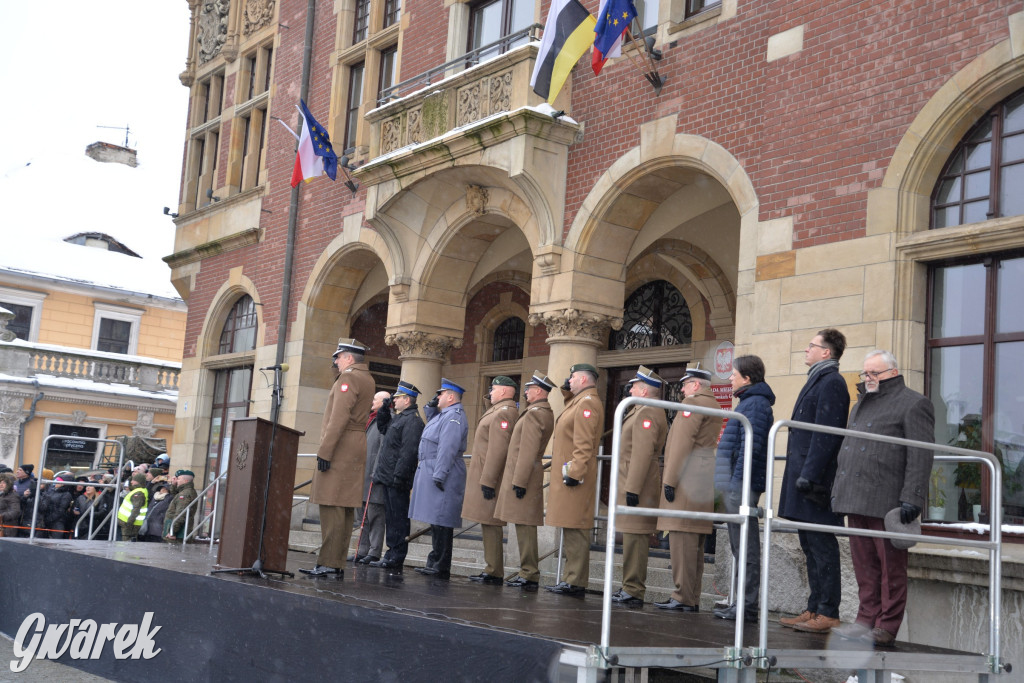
[508, 340]
[984, 175]
[656, 314]
[239, 331]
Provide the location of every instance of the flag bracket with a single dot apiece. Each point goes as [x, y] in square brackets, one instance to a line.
[656, 80]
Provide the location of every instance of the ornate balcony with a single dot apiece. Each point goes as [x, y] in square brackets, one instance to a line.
[24, 359]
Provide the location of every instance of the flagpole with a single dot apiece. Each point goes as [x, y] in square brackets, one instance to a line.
[652, 76]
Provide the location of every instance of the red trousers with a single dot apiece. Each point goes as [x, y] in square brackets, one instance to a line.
[881, 572]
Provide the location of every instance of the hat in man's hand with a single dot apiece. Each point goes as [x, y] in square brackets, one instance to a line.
[894, 524]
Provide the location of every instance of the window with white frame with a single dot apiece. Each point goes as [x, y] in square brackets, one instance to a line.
[27, 308]
[115, 329]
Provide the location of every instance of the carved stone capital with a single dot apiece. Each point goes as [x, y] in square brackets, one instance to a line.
[423, 345]
[570, 324]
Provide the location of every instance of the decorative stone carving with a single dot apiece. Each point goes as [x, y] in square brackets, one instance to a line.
[213, 28]
[549, 263]
[144, 427]
[258, 14]
[423, 345]
[12, 414]
[572, 324]
[467, 108]
[390, 135]
[242, 455]
[476, 199]
[78, 417]
[5, 317]
[415, 127]
[500, 88]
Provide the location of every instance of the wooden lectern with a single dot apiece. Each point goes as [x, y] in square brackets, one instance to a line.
[246, 488]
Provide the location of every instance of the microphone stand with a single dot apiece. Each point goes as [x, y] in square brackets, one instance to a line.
[257, 566]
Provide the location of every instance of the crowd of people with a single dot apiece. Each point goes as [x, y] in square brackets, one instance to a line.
[80, 507]
[414, 470]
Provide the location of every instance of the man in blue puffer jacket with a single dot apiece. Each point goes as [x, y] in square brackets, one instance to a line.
[755, 403]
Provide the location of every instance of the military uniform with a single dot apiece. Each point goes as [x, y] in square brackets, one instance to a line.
[525, 471]
[578, 433]
[690, 470]
[486, 467]
[183, 494]
[338, 490]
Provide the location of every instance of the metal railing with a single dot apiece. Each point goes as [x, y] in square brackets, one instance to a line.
[993, 545]
[210, 516]
[116, 485]
[111, 513]
[471, 58]
[746, 515]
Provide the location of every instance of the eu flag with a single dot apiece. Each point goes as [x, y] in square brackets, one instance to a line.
[615, 18]
[321, 143]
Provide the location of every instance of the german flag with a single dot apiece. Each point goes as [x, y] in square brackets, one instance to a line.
[568, 33]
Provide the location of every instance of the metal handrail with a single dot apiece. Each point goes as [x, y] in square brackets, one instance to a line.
[994, 545]
[116, 485]
[215, 485]
[472, 58]
[92, 514]
[745, 516]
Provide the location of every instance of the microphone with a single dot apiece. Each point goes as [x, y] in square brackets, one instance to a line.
[283, 367]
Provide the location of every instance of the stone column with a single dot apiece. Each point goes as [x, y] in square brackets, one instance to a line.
[422, 355]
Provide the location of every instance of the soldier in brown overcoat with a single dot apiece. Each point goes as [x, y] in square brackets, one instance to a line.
[689, 485]
[341, 457]
[521, 496]
[486, 467]
[644, 429]
[578, 433]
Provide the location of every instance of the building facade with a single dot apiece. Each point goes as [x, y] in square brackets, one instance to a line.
[803, 165]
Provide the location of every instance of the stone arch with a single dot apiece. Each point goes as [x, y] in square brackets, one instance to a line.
[483, 335]
[234, 287]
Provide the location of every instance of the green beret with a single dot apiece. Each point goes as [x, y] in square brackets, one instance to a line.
[188, 472]
[503, 381]
[580, 367]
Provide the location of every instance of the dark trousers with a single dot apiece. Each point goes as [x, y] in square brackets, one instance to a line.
[753, 580]
[396, 524]
[821, 550]
[440, 557]
[881, 571]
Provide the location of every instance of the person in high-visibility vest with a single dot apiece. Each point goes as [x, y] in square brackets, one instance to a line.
[132, 512]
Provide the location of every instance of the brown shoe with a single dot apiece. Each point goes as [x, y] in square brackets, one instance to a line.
[819, 624]
[799, 619]
[852, 631]
[879, 637]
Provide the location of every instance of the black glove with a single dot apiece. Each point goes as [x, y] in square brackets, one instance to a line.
[520, 491]
[569, 481]
[670, 493]
[383, 419]
[322, 465]
[433, 402]
[386, 403]
[803, 485]
[487, 491]
[565, 385]
[632, 499]
[908, 512]
[439, 484]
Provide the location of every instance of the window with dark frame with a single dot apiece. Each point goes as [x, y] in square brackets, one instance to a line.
[695, 7]
[983, 176]
[388, 62]
[239, 331]
[509, 337]
[114, 336]
[361, 21]
[353, 103]
[492, 20]
[21, 323]
[655, 314]
[392, 12]
[646, 17]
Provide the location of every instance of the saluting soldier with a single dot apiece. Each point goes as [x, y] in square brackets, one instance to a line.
[689, 485]
[521, 495]
[341, 457]
[574, 476]
[644, 429]
[486, 467]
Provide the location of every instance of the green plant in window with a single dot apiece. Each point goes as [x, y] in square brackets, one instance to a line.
[937, 496]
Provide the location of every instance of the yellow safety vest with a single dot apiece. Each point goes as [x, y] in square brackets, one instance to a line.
[125, 511]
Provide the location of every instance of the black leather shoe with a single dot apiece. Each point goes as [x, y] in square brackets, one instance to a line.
[487, 579]
[320, 570]
[626, 600]
[367, 559]
[433, 572]
[677, 606]
[563, 588]
[354, 558]
[750, 614]
[384, 564]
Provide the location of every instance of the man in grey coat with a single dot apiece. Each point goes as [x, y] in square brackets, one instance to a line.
[440, 481]
[371, 536]
[874, 478]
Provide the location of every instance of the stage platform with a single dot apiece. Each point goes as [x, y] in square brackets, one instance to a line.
[373, 626]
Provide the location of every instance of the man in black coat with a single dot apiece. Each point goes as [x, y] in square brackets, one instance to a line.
[396, 467]
[810, 471]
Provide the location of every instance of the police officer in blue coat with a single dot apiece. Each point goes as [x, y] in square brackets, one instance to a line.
[440, 481]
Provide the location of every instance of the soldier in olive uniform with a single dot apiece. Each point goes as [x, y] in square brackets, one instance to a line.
[486, 467]
[341, 457]
[521, 496]
[689, 485]
[578, 433]
[184, 493]
[644, 429]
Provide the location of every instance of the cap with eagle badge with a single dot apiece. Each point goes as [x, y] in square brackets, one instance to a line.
[348, 345]
[696, 373]
[647, 376]
[448, 385]
[406, 389]
[538, 379]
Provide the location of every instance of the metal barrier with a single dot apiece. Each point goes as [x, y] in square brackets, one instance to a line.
[994, 545]
[211, 516]
[116, 485]
[734, 654]
[92, 514]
